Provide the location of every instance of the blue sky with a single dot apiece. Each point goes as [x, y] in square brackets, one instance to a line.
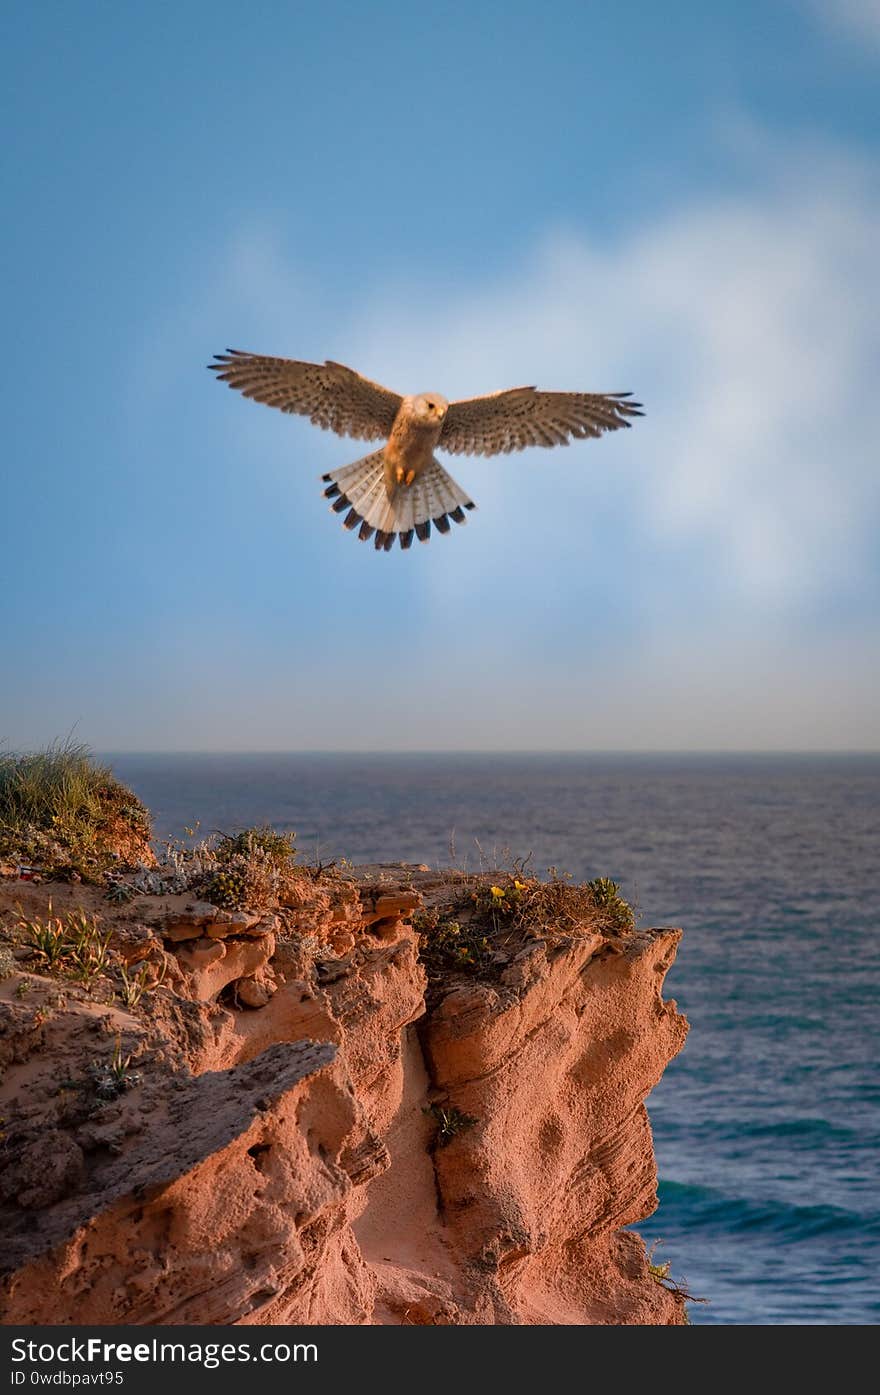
[682, 200]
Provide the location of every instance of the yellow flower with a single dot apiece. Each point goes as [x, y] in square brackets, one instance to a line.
[520, 886]
[497, 892]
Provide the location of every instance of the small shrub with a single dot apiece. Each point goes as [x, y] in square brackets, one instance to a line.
[607, 897]
[661, 1275]
[135, 985]
[500, 903]
[119, 893]
[250, 869]
[555, 907]
[484, 921]
[447, 944]
[227, 889]
[247, 869]
[277, 848]
[47, 939]
[112, 1078]
[89, 948]
[72, 944]
[450, 1122]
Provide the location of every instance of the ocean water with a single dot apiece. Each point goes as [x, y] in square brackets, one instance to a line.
[767, 1125]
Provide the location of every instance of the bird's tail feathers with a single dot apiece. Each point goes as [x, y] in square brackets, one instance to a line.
[359, 491]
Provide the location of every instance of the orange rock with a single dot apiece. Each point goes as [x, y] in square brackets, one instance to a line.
[209, 965]
[287, 1163]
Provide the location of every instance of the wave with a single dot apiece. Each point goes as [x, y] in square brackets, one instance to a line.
[797, 1128]
[691, 1206]
[806, 1130]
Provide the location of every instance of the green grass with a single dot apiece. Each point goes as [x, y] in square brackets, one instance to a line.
[63, 810]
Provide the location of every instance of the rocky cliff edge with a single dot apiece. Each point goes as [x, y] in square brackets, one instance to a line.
[300, 1118]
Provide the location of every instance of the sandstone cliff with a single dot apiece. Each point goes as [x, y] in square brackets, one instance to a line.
[290, 1128]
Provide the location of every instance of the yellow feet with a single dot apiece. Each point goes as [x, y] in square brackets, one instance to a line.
[404, 476]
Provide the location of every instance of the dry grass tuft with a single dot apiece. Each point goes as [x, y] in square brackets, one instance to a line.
[485, 918]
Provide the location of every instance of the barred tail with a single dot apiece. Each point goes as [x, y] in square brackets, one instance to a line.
[360, 488]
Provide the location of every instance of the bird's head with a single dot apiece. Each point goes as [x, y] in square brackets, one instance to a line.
[430, 407]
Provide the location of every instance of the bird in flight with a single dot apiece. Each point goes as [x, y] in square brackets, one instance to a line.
[401, 490]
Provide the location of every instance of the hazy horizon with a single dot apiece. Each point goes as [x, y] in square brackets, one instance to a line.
[609, 753]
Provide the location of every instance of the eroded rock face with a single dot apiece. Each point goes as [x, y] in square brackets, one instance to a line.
[303, 1141]
[553, 1067]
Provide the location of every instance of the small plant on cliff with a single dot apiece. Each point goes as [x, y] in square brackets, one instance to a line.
[450, 1122]
[448, 944]
[251, 868]
[493, 917]
[607, 897]
[135, 985]
[112, 1078]
[89, 946]
[62, 810]
[556, 907]
[119, 893]
[500, 903]
[660, 1273]
[71, 944]
[227, 889]
[277, 848]
[46, 938]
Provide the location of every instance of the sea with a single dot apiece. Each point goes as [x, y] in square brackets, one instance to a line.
[766, 1127]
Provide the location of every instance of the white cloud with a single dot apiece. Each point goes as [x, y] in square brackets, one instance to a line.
[749, 326]
[748, 323]
[858, 19]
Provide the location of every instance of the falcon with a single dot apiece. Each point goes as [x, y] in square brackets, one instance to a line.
[401, 490]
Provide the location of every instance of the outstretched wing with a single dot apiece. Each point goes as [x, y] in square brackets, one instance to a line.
[522, 417]
[329, 394]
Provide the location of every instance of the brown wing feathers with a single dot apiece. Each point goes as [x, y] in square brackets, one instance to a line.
[329, 394]
[522, 417]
